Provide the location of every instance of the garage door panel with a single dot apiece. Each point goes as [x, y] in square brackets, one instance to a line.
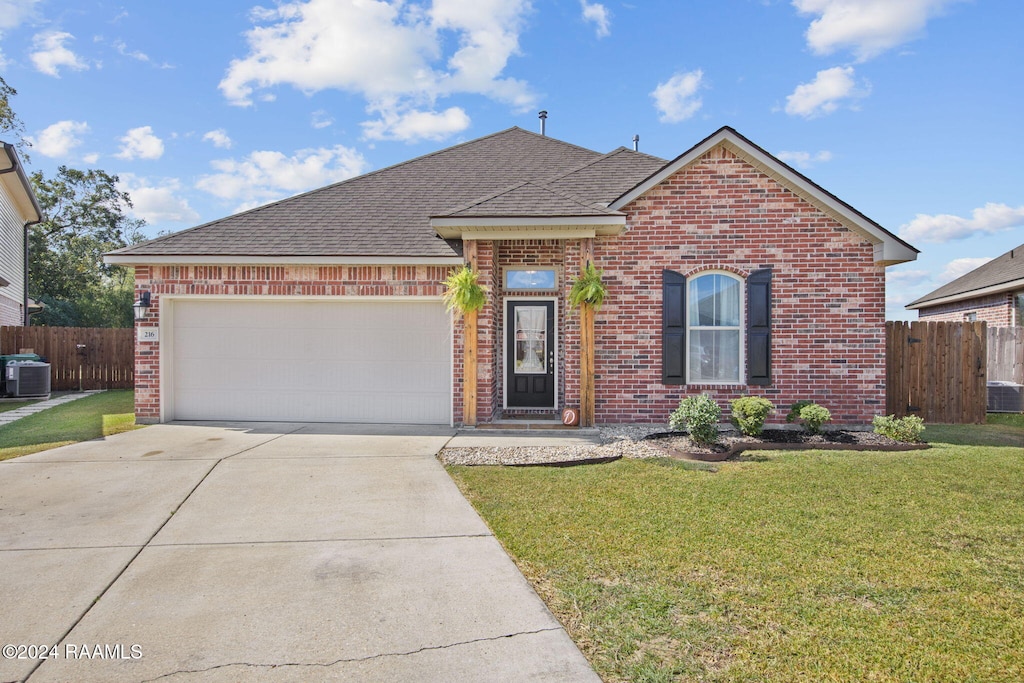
[381, 361]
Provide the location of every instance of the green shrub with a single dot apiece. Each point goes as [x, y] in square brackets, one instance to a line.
[794, 410]
[813, 416]
[588, 288]
[906, 429]
[749, 413]
[699, 416]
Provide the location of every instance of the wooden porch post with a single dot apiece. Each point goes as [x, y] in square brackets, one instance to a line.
[469, 341]
[586, 345]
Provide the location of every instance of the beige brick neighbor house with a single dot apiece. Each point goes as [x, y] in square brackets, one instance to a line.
[728, 272]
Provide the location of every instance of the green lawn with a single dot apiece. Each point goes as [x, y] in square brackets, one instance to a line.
[786, 566]
[87, 418]
[14, 405]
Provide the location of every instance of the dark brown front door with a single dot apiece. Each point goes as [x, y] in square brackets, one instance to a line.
[530, 354]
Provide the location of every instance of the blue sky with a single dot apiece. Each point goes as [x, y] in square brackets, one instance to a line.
[910, 110]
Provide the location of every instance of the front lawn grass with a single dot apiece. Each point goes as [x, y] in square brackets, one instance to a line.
[785, 566]
[87, 418]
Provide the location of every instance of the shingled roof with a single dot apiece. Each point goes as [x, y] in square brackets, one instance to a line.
[1002, 274]
[387, 212]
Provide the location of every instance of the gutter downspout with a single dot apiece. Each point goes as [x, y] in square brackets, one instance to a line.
[16, 167]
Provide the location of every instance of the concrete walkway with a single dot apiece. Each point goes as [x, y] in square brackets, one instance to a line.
[262, 552]
[13, 415]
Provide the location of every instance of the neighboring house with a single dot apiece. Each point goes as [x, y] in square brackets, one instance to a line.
[18, 210]
[993, 293]
[728, 272]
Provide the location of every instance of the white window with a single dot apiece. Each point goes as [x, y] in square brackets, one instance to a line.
[714, 329]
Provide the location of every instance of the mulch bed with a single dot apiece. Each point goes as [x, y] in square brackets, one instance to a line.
[732, 445]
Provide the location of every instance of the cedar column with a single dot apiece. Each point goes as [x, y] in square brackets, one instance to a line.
[469, 343]
[586, 345]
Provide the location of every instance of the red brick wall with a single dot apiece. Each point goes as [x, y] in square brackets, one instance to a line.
[828, 295]
[996, 310]
[256, 280]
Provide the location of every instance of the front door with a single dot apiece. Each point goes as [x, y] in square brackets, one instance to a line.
[530, 354]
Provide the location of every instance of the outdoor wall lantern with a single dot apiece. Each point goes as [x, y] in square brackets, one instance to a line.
[141, 307]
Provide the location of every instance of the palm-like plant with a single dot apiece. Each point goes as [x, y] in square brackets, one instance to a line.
[464, 292]
[588, 288]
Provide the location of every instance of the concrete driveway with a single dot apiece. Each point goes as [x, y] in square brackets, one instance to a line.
[261, 552]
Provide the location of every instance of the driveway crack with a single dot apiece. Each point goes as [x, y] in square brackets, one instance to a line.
[353, 660]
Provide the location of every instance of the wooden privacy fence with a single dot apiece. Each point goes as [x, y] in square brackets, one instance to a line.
[79, 357]
[1006, 354]
[936, 370]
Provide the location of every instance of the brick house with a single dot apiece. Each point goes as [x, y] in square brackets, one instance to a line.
[18, 210]
[993, 292]
[728, 272]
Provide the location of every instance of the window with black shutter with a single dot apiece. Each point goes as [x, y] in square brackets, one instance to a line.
[759, 327]
[673, 328]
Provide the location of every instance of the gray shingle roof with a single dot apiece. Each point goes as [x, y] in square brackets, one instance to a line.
[1007, 269]
[387, 212]
[528, 199]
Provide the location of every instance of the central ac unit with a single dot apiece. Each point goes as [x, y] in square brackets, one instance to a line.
[1005, 397]
[27, 378]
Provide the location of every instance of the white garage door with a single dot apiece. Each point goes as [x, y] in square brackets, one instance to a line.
[311, 361]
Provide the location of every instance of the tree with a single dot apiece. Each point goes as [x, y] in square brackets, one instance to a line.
[84, 216]
[10, 124]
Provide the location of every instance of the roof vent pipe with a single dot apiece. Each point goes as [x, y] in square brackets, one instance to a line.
[636, 143]
[543, 116]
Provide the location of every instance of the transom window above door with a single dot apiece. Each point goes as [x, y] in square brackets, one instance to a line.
[531, 279]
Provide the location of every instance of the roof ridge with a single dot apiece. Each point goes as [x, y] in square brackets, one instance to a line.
[540, 186]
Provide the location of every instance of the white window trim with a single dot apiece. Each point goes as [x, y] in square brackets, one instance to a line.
[741, 380]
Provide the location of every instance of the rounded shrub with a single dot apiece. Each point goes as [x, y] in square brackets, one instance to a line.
[699, 416]
[813, 416]
[749, 414]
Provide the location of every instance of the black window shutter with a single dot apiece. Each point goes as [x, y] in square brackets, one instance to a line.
[759, 327]
[673, 328]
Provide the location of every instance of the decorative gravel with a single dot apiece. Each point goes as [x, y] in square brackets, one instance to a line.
[617, 441]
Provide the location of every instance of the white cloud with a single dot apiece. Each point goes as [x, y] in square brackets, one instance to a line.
[987, 220]
[961, 266]
[868, 27]
[264, 176]
[320, 119]
[805, 159]
[50, 53]
[219, 138]
[409, 126]
[14, 12]
[676, 99]
[597, 14]
[91, 157]
[58, 139]
[824, 94]
[158, 201]
[400, 56]
[140, 143]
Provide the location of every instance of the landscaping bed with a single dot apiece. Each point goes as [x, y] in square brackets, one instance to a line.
[733, 444]
[656, 441]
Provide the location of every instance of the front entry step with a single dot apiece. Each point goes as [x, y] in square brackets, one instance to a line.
[526, 424]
